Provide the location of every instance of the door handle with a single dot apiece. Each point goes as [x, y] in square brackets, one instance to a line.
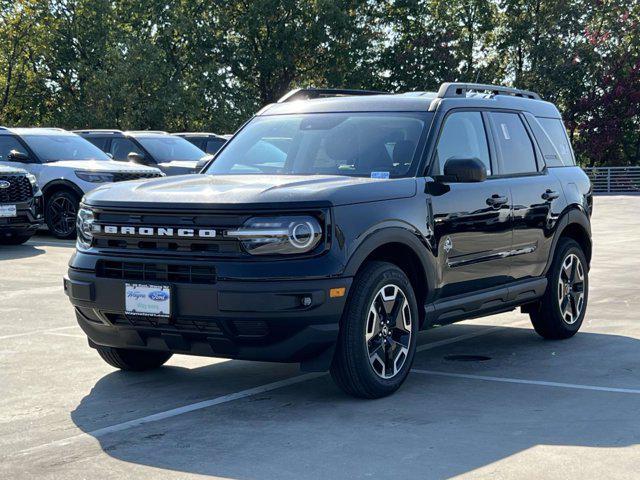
[496, 200]
[550, 195]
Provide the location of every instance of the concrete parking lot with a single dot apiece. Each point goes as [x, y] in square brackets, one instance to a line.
[532, 409]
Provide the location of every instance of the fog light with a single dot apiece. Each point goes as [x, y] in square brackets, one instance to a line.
[306, 301]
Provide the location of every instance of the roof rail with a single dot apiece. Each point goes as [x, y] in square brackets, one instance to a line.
[148, 131]
[310, 93]
[97, 130]
[455, 90]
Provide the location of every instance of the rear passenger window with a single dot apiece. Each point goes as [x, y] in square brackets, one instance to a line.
[558, 135]
[515, 150]
[463, 136]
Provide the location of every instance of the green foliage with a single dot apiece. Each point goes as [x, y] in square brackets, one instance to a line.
[210, 64]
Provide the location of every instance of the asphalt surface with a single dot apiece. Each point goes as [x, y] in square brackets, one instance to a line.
[533, 409]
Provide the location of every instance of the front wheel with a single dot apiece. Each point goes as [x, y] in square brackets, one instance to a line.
[560, 312]
[378, 333]
[135, 360]
[61, 210]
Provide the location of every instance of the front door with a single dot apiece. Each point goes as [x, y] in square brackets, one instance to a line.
[471, 221]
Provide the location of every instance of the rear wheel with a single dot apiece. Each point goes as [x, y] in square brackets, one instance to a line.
[560, 312]
[61, 210]
[377, 339]
[135, 360]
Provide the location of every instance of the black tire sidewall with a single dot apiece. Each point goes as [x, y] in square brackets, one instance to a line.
[72, 197]
[567, 248]
[370, 283]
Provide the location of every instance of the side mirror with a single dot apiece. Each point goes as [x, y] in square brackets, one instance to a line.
[136, 157]
[17, 156]
[202, 162]
[465, 170]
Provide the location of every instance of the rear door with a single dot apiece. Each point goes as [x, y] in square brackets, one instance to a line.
[537, 195]
[472, 221]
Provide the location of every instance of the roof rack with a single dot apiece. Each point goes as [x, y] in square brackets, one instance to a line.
[97, 130]
[148, 131]
[311, 93]
[456, 90]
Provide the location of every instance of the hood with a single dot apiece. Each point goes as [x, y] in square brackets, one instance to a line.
[238, 191]
[101, 166]
[187, 165]
[4, 170]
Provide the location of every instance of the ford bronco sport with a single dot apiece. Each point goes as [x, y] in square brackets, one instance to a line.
[329, 231]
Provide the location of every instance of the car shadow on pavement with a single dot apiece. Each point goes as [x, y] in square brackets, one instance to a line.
[433, 427]
[16, 252]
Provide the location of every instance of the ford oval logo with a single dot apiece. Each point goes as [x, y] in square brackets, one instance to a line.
[4, 184]
[158, 296]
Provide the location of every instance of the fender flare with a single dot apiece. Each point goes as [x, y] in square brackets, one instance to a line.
[61, 183]
[573, 216]
[386, 236]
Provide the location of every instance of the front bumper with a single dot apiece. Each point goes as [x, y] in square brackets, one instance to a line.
[251, 320]
[28, 219]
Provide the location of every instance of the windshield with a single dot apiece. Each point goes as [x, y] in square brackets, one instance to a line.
[168, 148]
[378, 144]
[51, 148]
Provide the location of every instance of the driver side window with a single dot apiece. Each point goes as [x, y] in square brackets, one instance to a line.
[463, 136]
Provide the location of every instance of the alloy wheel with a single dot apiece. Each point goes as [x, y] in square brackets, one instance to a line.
[571, 289]
[388, 331]
[62, 215]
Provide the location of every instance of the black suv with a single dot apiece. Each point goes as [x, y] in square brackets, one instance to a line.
[330, 231]
[207, 142]
[171, 154]
[20, 206]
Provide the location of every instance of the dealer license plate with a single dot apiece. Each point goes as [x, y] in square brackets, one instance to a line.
[148, 300]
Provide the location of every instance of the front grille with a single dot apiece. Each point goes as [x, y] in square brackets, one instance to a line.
[124, 176]
[186, 324]
[19, 189]
[219, 246]
[202, 274]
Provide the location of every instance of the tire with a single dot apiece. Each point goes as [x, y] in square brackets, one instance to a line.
[15, 239]
[60, 213]
[133, 360]
[549, 318]
[373, 360]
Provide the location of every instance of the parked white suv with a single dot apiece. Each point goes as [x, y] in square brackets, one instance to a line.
[66, 167]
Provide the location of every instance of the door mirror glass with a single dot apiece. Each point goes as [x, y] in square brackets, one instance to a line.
[465, 170]
[17, 156]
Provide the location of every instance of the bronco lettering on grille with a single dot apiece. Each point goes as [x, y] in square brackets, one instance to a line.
[156, 231]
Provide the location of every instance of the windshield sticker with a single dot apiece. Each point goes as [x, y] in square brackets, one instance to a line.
[379, 174]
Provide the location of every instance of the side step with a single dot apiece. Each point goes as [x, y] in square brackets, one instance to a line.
[493, 300]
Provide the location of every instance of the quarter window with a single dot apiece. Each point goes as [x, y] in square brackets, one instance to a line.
[515, 150]
[557, 134]
[463, 136]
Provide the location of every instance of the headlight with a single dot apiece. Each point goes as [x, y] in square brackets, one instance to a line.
[94, 177]
[84, 226]
[33, 181]
[279, 235]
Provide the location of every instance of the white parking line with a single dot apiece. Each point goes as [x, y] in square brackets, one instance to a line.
[39, 290]
[51, 243]
[37, 332]
[231, 397]
[528, 382]
[59, 334]
[176, 411]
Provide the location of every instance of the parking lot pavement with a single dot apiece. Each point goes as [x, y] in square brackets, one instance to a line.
[524, 408]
